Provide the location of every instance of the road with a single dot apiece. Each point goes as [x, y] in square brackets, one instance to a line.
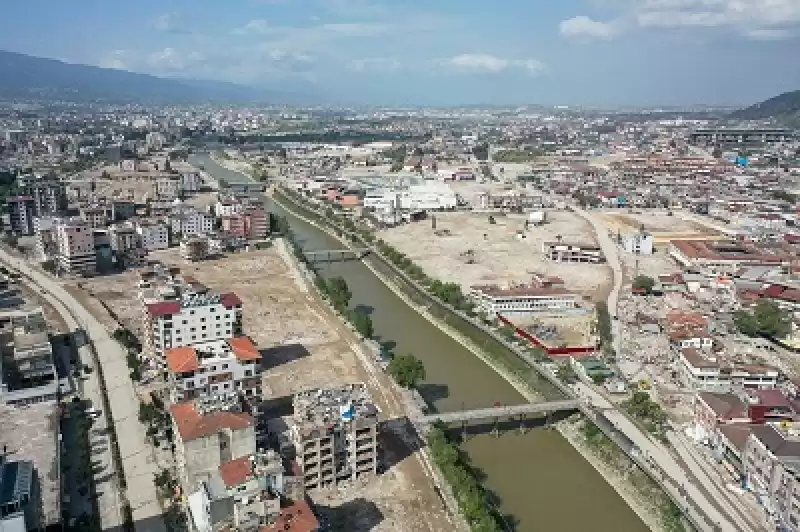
[698, 506]
[611, 251]
[137, 457]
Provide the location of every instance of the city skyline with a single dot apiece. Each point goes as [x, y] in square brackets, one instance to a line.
[577, 52]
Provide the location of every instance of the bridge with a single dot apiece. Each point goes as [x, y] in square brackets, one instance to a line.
[500, 411]
[336, 255]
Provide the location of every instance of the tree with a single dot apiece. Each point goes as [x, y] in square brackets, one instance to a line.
[339, 292]
[407, 370]
[363, 323]
[566, 374]
[766, 319]
[643, 282]
[746, 323]
[491, 219]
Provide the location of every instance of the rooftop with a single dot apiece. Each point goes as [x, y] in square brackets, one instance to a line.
[192, 424]
[333, 406]
[295, 518]
[190, 358]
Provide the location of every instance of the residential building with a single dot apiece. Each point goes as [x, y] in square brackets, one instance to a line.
[543, 294]
[95, 215]
[21, 212]
[573, 252]
[153, 235]
[168, 188]
[209, 433]
[45, 238]
[772, 471]
[180, 312]
[217, 367]
[252, 224]
[335, 434]
[48, 192]
[18, 498]
[639, 243]
[154, 141]
[190, 222]
[75, 250]
[27, 367]
[191, 181]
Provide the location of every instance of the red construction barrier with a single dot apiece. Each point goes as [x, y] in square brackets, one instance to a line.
[551, 351]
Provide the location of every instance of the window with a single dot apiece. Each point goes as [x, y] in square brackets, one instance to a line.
[224, 366]
[184, 322]
[202, 320]
[203, 328]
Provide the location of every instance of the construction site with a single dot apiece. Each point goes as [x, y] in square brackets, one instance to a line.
[304, 347]
[472, 248]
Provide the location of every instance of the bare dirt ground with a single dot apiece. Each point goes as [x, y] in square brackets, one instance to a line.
[304, 347]
[500, 256]
[570, 329]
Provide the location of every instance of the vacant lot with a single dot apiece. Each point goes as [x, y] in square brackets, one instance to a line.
[471, 250]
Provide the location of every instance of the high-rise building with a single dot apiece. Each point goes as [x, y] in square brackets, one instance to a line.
[49, 193]
[75, 250]
[21, 211]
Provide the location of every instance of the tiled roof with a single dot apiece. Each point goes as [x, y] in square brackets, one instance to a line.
[235, 472]
[230, 299]
[163, 308]
[182, 359]
[244, 349]
[191, 425]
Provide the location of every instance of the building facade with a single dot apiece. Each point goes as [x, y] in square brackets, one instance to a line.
[572, 252]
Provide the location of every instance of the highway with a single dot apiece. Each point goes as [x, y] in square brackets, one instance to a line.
[137, 456]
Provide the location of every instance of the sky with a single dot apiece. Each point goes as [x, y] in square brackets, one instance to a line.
[436, 52]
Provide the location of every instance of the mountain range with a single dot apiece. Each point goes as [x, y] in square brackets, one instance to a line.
[28, 77]
[784, 107]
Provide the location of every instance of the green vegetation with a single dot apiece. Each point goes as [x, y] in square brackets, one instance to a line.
[784, 196]
[362, 323]
[279, 224]
[566, 373]
[481, 152]
[127, 339]
[648, 413]
[517, 156]
[672, 517]
[492, 220]
[603, 325]
[155, 416]
[407, 370]
[645, 283]
[783, 107]
[165, 484]
[471, 497]
[585, 200]
[766, 319]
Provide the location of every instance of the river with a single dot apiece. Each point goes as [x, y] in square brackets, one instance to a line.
[538, 477]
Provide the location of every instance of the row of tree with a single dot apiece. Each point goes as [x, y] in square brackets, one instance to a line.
[471, 497]
[765, 319]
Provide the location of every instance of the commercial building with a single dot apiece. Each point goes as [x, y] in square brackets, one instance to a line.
[180, 312]
[724, 257]
[699, 372]
[335, 434]
[21, 213]
[27, 367]
[573, 252]
[217, 367]
[423, 197]
[543, 294]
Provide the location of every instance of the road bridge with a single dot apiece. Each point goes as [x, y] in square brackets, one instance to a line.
[500, 411]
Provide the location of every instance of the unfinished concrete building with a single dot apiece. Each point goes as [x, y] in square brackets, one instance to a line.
[335, 434]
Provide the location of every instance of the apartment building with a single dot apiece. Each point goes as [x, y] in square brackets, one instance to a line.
[543, 294]
[153, 235]
[95, 215]
[191, 181]
[639, 243]
[772, 471]
[573, 252]
[21, 212]
[252, 224]
[168, 188]
[335, 434]
[217, 367]
[27, 367]
[180, 312]
[74, 246]
[190, 223]
[210, 432]
[48, 192]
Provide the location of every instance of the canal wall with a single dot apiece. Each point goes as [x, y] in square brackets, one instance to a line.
[410, 405]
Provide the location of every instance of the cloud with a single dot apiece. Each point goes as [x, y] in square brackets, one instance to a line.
[752, 19]
[356, 29]
[583, 29]
[118, 59]
[257, 26]
[491, 64]
[170, 23]
[171, 60]
[374, 64]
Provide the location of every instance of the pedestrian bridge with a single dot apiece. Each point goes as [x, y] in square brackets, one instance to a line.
[335, 255]
[500, 411]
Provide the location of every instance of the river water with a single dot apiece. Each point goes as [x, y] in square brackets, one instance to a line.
[538, 478]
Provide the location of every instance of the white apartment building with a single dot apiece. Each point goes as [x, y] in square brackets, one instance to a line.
[709, 374]
[154, 235]
[214, 368]
[637, 243]
[191, 181]
[542, 295]
[74, 246]
[180, 314]
[228, 207]
[426, 197]
[168, 188]
[191, 223]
